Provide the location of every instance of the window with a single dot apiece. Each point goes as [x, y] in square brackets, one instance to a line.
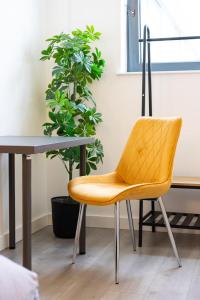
[165, 18]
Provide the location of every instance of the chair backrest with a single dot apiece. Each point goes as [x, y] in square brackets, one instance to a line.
[149, 153]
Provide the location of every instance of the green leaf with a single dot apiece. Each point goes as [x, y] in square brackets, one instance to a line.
[52, 116]
[87, 168]
[92, 165]
[81, 107]
[57, 70]
[79, 57]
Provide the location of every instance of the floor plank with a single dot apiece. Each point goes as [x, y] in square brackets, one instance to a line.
[150, 273]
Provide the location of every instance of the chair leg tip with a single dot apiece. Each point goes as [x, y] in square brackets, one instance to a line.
[116, 280]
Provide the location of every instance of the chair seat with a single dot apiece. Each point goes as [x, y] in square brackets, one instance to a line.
[109, 188]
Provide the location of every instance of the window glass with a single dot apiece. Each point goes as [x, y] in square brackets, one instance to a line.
[172, 18]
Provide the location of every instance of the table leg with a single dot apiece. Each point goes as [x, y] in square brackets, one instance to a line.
[153, 228]
[82, 244]
[26, 209]
[11, 163]
[140, 223]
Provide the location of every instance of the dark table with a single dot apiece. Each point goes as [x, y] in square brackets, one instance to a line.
[26, 146]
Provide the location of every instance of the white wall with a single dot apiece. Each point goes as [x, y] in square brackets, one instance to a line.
[22, 31]
[119, 99]
[58, 20]
[24, 25]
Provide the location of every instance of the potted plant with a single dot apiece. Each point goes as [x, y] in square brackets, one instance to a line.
[72, 111]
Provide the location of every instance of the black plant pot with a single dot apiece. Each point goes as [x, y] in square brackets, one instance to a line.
[65, 216]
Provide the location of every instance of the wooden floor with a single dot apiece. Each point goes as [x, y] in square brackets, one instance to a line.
[151, 273]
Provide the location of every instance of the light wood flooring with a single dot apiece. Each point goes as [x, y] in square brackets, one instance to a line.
[151, 273]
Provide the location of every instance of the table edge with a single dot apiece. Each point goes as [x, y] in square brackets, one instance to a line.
[44, 148]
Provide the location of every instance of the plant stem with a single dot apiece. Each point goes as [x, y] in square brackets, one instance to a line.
[65, 165]
[74, 91]
[70, 169]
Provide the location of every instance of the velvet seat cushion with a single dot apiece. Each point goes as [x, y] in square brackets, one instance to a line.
[109, 188]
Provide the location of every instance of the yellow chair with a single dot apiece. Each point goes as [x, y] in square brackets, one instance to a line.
[144, 172]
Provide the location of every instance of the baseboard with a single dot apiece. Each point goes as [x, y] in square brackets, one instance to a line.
[108, 222]
[49, 219]
[37, 224]
[95, 221]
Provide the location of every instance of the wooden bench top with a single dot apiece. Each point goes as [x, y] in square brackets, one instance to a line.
[186, 182]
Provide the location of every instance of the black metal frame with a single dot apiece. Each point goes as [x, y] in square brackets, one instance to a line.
[178, 38]
[152, 218]
[146, 37]
[190, 221]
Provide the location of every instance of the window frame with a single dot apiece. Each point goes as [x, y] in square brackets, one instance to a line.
[133, 34]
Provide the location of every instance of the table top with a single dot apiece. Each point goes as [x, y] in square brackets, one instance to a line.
[186, 182]
[39, 144]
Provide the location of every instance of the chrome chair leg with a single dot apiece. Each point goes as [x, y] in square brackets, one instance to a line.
[78, 230]
[131, 224]
[117, 237]
[169, 231]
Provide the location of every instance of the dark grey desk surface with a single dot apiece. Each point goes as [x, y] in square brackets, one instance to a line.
[39, 144]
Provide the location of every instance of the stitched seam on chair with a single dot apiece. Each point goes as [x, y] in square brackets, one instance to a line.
[152, 147]
[148, 129]
[174, 149]
[156, 169]
[112, 200]
[142, 165]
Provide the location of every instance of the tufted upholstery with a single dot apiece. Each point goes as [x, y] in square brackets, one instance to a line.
[144, 170]
[149, 153]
